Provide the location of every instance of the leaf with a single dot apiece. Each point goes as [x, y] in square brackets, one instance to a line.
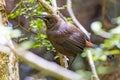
[103, 70]
[85, 74]
[25, 45]
[15, 33]
[97, 27]
[115, 30]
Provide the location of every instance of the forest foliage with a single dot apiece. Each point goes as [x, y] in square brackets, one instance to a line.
[29, 9]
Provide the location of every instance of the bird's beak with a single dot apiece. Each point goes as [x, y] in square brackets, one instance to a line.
[41, 17]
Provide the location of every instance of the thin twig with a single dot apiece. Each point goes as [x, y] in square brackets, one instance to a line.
[92, 65]
[69, 8]
[35, 61]
[27, 30]
[47, 67]
[63, 59]
[16, 7]
[54, 5]
[62, 16]
[47, 7]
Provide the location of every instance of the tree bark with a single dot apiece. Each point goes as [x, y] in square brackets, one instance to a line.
[8, 60]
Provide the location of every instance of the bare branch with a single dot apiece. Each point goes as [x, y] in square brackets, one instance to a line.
[69, 8]
[54, 5]
[47, 7]
[50, 9]
[63, 59]
[92, 65]
[37, 62]
[47, 67]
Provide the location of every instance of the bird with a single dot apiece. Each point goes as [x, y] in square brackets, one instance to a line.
[65, 37]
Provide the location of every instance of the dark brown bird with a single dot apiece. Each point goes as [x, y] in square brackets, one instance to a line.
[65, 37]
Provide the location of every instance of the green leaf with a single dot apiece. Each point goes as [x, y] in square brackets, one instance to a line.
[25, 45]
[103, 69]
[117, 20]
[115, 30]
[12, 16]
[15, 33]
[97, 27]
[70, 20]
[85, 74]
[115, 51]
[56, 57]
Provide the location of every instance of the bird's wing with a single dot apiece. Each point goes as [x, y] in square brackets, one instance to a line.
[74, 41]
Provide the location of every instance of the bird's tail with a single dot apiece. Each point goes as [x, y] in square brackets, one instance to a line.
[95, 46]
[90, 44]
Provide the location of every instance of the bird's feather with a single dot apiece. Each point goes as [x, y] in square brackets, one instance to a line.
[65, 37]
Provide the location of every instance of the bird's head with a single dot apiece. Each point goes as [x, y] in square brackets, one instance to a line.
[50, 20]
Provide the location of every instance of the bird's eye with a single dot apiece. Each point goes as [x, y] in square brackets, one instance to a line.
[50, 20]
